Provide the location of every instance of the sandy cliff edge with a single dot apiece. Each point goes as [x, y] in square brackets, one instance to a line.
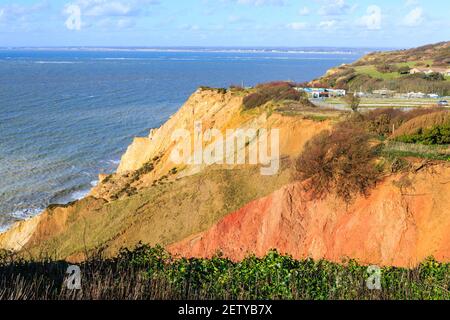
[390, 227]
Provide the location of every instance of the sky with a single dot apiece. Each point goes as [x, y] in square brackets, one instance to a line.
[224, 23]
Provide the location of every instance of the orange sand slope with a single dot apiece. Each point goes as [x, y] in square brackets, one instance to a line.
[392, 226]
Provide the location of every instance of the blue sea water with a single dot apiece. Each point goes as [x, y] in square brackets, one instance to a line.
[68, 115]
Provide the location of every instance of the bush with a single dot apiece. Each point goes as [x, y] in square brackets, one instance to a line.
[341, 160]
[147, 273]
[352, 101]
[404, 70]
[382, 122]
[237, 88]
[254, 100]
[433, 128]
[434, 76]
[272, 91]
[435, 135]
[386, 68]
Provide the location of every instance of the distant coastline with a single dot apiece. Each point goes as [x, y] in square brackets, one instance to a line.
[250, 50]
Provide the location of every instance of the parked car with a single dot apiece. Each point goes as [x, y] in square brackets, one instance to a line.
[443, 103]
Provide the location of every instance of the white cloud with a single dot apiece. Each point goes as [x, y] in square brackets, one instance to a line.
[114, 8]
[334, 8]
[111, 23]
[304, 11]
[102, 12]
[259, 3]
[296, 25]
[372, 20]
[410, 3]
[238, 19]
[190, 27]
[328, 24]
[14, 12]
[413, 18]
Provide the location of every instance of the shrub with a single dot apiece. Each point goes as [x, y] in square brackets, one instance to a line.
[236, 88]
[353, 101]
[433, 128]
[434, 76]
[147, 273]
[386, 68]
[218, 90]
[432, 136]
[382, 122]
[254, 100]
[341, 160]
[272, 91]
[404, 70]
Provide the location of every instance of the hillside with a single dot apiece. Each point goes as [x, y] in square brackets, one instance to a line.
[346, 187]
[393, 226]
[152, 200]
[392, 69]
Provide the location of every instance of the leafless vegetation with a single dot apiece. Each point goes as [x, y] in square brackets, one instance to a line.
[340, 161]
[272, 91]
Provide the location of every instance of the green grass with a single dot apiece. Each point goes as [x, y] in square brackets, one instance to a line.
[146, 273]
[412, 64]
[394, 149]
[371, 71]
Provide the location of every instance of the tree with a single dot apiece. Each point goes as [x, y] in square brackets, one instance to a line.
[353, 101]
[404, 70]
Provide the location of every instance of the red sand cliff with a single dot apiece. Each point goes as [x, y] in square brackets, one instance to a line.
[392, 226]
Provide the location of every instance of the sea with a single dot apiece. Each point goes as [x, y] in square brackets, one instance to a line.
[68, 114]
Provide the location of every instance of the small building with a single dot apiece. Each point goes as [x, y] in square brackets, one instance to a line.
[384, 93]
[416, 95]
[316, 93]
[428, 70]
[337, 92]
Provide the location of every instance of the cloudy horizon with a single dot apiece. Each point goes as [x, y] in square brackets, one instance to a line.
[223, 23]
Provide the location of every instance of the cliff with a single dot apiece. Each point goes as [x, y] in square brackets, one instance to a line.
[393, 226]
[199, 209]
[150, 199]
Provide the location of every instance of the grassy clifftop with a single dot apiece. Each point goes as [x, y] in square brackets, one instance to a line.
[391, 70]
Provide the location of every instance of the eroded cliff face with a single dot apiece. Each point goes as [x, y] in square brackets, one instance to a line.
[211, 107]
[404, 220]
[213, 110]
[147, 200]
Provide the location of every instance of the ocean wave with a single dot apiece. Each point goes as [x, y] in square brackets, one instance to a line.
[56, 62]
[78, 195]
[24, 214]
[114, 162]
[19, 215]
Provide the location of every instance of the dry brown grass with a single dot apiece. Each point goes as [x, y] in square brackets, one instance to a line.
[417, 124]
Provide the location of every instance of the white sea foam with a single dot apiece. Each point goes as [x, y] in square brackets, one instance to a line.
[56, 62]
[115, 162]
[19, 215]
[78, 195]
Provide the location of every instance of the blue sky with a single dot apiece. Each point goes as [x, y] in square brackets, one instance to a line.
[289, 23]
